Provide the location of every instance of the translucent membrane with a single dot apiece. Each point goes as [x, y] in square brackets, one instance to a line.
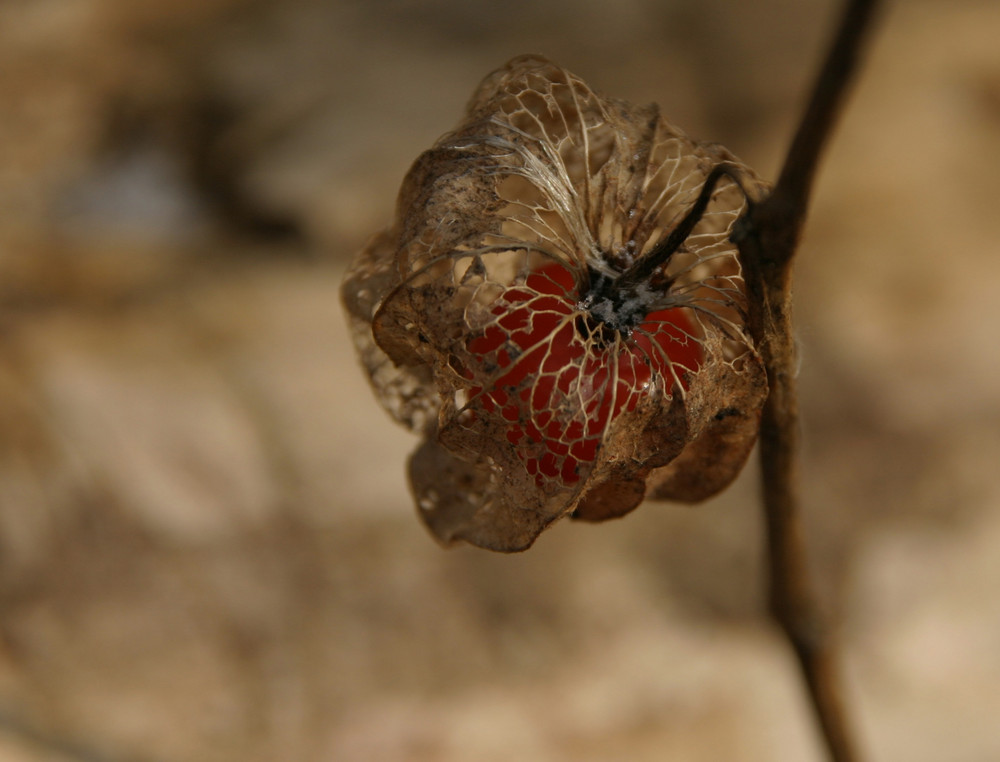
[560, 378]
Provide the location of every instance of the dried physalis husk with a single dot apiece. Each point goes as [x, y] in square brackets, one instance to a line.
[503, 319]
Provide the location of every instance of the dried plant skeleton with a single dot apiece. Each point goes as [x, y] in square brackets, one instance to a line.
[559, 311]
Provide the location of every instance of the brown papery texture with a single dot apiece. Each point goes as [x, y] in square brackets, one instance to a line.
[494, 320]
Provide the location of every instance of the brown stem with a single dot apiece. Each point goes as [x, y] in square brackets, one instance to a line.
[825, 103]
[768, 237]
[644, 267]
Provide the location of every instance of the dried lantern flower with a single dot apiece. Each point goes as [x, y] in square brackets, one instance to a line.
[559, 310]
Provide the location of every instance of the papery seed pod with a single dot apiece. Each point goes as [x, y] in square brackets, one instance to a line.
[559, 312]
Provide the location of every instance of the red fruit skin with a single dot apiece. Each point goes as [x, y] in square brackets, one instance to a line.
[558, 390]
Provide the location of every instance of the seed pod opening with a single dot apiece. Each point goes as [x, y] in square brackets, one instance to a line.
[557, 314]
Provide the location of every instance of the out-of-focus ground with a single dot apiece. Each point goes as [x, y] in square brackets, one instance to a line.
[207, 549]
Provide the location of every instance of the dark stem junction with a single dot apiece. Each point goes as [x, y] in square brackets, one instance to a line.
[618, 304]
[611, 308]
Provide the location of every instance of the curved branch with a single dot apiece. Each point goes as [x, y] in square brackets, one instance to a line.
[767, 238]
[784, 211]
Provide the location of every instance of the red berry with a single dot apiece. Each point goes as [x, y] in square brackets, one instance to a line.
[558, 387]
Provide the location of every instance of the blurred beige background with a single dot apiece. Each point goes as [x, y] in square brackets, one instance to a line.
[207, 549]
